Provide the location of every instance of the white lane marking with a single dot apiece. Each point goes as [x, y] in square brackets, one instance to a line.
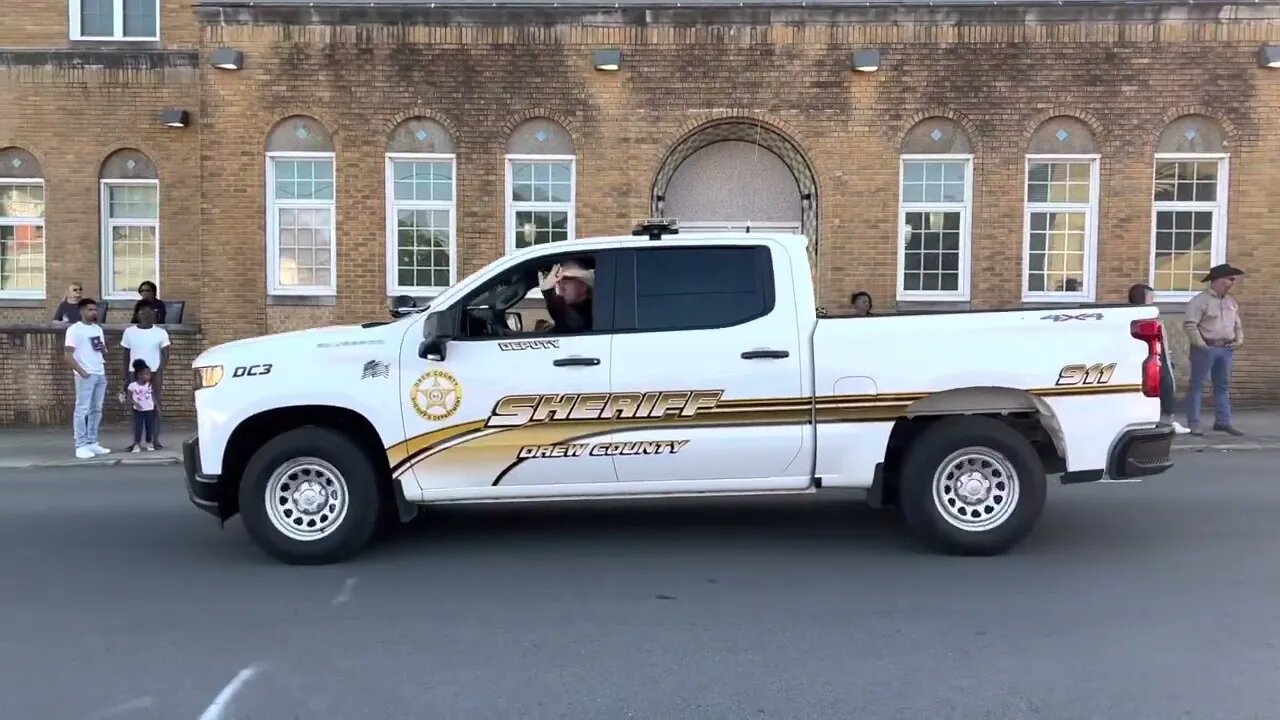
[1128, 480]
[125, 707]
[345, 593]
[219, 705]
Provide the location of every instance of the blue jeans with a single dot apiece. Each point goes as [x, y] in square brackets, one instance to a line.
[1207, 362]
[88, 414]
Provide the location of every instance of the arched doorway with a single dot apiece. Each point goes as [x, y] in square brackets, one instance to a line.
[737, 173]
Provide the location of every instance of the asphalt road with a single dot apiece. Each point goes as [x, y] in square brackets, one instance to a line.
[1140, 600]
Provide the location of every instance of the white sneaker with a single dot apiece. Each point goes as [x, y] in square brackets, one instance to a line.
[84, 453]
[136, 448]
[147, 448]
[97, 449]
[1178, 429]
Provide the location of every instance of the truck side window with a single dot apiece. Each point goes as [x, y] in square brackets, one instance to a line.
[690, 288]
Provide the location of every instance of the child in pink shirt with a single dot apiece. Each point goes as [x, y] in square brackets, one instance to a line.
[144, 407]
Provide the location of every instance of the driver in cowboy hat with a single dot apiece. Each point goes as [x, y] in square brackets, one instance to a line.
[567, 289]
[1213, 326]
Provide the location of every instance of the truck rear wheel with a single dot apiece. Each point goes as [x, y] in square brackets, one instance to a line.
[310, 497]
[972, 486]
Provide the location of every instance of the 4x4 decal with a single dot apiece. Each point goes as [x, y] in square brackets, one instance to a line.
[1063, 317]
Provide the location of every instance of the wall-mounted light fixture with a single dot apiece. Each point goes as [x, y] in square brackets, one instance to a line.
[227, 59]
[867, 60]
[609, 60]
[174, 118]
[662, 203]
[806, 201]
[1269, 56]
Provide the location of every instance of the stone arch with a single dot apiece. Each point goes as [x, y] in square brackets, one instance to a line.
[1193, 133]
[299, 133]
[1062, 134]
[424, 113]
[938, 131]
[19, 163]
[539, 135]
[128, 164]
[772, 174]
[421, 135]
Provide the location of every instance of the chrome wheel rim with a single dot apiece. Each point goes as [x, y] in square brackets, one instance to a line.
[975, 489]
[306, 499]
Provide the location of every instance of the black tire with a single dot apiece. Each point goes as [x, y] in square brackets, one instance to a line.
[350, 533]
[1009, 525]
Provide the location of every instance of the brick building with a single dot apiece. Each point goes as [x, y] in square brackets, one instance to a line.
[940, 155]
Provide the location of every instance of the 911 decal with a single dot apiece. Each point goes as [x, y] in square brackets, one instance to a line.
[604, 449]
[1095, 374]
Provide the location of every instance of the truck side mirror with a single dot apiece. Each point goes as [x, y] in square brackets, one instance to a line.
[403, 305]
[437, 331]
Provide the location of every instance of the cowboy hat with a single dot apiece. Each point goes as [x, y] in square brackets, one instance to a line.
[1222, 271]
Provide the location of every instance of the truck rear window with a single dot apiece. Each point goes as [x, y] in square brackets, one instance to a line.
[686, 288]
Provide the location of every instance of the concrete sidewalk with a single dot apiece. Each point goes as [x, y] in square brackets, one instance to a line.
[52, 447]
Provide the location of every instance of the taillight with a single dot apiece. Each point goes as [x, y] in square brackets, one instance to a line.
[1150, 332]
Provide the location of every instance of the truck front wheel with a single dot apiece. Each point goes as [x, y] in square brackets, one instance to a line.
[972, 486]
[310, 497]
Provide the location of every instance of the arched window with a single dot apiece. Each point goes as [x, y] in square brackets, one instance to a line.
[421, 208]
[541, 169]
[301, 222]
[130, 224]
[1189, 206]
[934, 211]
[22, 274]
[1060, 241]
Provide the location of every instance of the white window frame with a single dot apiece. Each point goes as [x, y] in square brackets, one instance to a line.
[109, 291]
[512, 207]
[1218, 248]
[739, 226]
[966, 229]
[1090, 208]
[17, 221]
[273, 237]
[117, 7]
[393, 206]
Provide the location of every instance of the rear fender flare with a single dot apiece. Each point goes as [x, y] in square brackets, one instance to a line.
[991, 400]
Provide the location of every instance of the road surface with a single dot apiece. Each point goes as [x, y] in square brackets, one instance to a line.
[1137, 600]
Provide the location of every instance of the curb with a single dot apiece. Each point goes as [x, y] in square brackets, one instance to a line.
[95, 462]
[1228, 447]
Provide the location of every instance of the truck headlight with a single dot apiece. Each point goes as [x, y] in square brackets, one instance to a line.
[208, 376]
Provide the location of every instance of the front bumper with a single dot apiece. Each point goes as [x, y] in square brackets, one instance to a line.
[1141, 452]
[205, 491]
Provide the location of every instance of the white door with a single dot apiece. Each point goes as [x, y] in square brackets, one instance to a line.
[710, 321]
[502, 414]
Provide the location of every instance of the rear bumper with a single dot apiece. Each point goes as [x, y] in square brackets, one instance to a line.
[205, 491]
[1141, 452]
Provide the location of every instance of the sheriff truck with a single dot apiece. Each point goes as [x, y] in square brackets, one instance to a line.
[703, 368]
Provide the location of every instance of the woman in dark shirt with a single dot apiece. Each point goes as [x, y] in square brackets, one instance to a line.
[69, 309]
[148, 292]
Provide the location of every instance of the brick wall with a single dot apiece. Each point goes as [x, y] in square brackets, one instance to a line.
[37, 388]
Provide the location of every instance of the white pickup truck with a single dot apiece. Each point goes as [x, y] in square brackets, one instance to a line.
[695, 365]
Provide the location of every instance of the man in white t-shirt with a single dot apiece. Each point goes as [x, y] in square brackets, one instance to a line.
[149, 343]
[86, 352]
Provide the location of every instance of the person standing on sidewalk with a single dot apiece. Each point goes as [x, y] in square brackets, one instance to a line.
[144, 408]
[1142, 294]
[1213, 326]
[149, 343]
[86, 352]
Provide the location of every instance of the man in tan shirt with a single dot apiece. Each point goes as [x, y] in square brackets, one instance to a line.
[1213, 326]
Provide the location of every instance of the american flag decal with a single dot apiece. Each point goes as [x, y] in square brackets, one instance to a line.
[375, 369]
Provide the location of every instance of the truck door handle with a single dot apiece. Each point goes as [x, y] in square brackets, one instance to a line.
[765, 354]
[571, 361]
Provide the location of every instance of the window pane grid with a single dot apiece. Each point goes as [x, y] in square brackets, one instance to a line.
[21, 201]
[539, 227]
[423, 248]
[133, 255]
[931, 259]
[423, 181]
[22, 258]
[934, 181]
[1186, 208]
[133, 202]
[1059, 182]
[304, 246]
[1056, 252]
[541, 181]
[119, 18]
[1183, 249]
[303, 179]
